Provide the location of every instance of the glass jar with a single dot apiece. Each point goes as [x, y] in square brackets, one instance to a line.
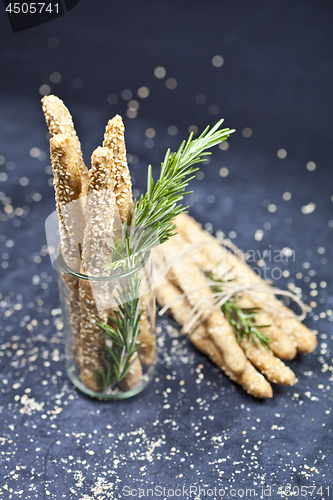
[109, 327]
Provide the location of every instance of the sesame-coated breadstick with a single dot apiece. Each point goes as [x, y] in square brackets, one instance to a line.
[147, 351]
[188, 277]
[205, 257]
[92, 341]
[251, 380]
[273, 368]
[96, 255]
[280, 342]
[68, 193]
[133, 377]
[220, 258]
[114, 140]
[99, 215]
[59, 121]
[269, 365]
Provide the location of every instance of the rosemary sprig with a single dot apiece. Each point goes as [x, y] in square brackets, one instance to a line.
[151, 225]
[242, 319]
[121, 340]
[153, 214]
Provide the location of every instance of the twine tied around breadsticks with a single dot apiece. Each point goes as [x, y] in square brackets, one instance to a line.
[198, 315]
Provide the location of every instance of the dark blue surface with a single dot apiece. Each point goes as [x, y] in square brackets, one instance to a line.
[186, 429]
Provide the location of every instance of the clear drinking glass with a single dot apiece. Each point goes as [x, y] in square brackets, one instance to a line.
[97, 358]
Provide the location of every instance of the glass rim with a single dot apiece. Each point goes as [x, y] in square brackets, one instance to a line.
[113, 277]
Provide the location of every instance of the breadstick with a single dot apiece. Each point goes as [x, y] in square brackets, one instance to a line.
[96, 255]
[280, 343]
[114, 140]
[188, 277]
[68, 192]
[251, 380]
[301, 335]
[92, 341]
[272, 367]
[59, 121]
[99, 212]
[220, 258]
[133, 377]
[147, 351]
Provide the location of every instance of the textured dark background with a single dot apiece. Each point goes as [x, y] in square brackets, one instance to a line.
[276, 79]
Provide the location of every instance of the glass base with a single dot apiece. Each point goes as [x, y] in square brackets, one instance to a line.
[112, 393]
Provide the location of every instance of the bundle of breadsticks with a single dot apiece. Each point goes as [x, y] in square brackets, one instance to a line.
[90, 204]
[194, 258]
